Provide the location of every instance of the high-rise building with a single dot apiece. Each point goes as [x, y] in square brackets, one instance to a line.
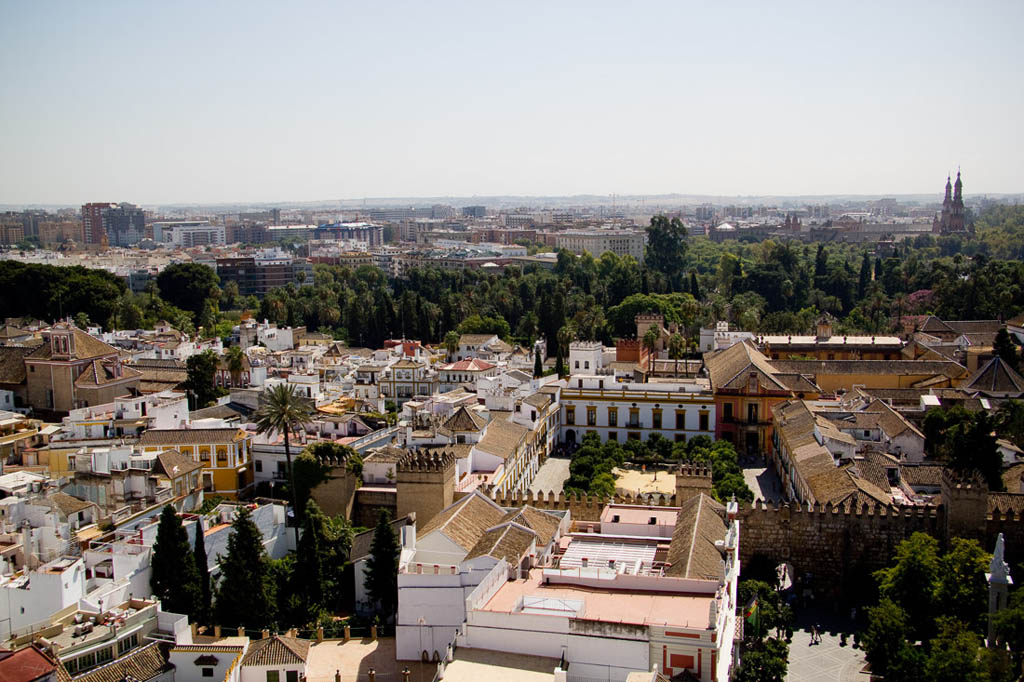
[124, 224]
[92, 222]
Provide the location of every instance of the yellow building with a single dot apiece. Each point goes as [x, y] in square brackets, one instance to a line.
[226, 455]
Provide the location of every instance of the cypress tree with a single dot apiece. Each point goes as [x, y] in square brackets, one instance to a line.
[538, 366]
[309, 566]
[694, 286]
[174, 578]
[242, 596]
[381, 572]
[201, 561]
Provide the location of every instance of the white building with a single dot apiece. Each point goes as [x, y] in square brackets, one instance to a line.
[596, 242]
[608, 607]
[188, 233]
[620, 411]
[721, 337]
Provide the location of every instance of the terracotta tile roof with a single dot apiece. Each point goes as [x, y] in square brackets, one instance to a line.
[465, 420]
[928, 475]
[507, 541]
[24, 665]
[174, 464]
[502, 437]
[692, 552]
[873, 472]
[465, 521]
[1006, 502]
[732, 367]
[85, 347]
[538, 400]
[407, 364]
[947, 368]
[1013, 478]
[545, 525]
[190, 436]
[277, 650]
[68, 504]
[798, 383]
[975, 326]
[100, 373]
[475, 339]
[12, 364]
[142, 664]
[996, 377]
[472, 365]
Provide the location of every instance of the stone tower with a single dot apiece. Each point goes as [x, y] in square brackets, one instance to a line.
[425, 484]
[999, 582]
[951, 220]
[692, 480]
[965, 499]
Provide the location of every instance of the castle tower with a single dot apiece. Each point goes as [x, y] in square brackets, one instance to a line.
[692, 480]
[425, 484]
[965, 499]
[999, 582]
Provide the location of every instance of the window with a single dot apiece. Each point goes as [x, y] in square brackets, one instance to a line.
[104, 655]
[656, 419]
[259, 466]
[591, 416]
[680, 437]
[570, 415]
[127, 644]
[613, 436]
[292, 676]
[727, 411]
[633, 435]
[586, 364]
[207, 672]
[752, 413]
[613, 416]
[703, 426]
[577, 364]
[680, 419]
[634, 417]
[273, 676]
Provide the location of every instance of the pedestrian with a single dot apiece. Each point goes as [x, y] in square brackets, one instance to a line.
[817, 634]
[814, 635]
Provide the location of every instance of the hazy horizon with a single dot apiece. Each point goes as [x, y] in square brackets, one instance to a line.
[252, 102]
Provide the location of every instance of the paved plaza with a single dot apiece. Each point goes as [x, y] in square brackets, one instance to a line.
[551, 475]
[764, 482]
[827, 661]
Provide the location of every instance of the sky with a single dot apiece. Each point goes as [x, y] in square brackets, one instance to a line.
[205, 102]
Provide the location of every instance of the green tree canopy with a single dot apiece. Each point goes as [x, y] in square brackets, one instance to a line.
[381, 573]
[201, 369]
[174, 578]
[188, 286]
[244, 593]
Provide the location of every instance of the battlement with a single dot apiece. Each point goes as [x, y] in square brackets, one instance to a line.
[650, 318]
[418, 461]
[697, 471]
[582, 508]
[964, 484]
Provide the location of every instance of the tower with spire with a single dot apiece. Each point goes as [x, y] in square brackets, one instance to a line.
[951, 220]
[999, 581]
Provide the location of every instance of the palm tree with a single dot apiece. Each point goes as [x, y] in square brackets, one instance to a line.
[451, 343]
[235, 358]
[282, 410]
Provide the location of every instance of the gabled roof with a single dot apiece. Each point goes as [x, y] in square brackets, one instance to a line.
[732, 367]
[85, 347]
[465, 420]
[502, 438]
[68, 504]
[545, 525]
[277, 650]
[465, 521]
[173, 464]
[995, 377]
[475, 339]
[143, 664]
[190, 436]
[100, 373]
[12, 364]
[471, 365]
[508, 541]
[692, 552]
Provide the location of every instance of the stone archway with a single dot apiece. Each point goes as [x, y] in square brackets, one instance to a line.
[570, 437]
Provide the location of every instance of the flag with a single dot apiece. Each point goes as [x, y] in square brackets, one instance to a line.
[752, 612]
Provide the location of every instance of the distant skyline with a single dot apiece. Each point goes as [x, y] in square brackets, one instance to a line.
[258, 102]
